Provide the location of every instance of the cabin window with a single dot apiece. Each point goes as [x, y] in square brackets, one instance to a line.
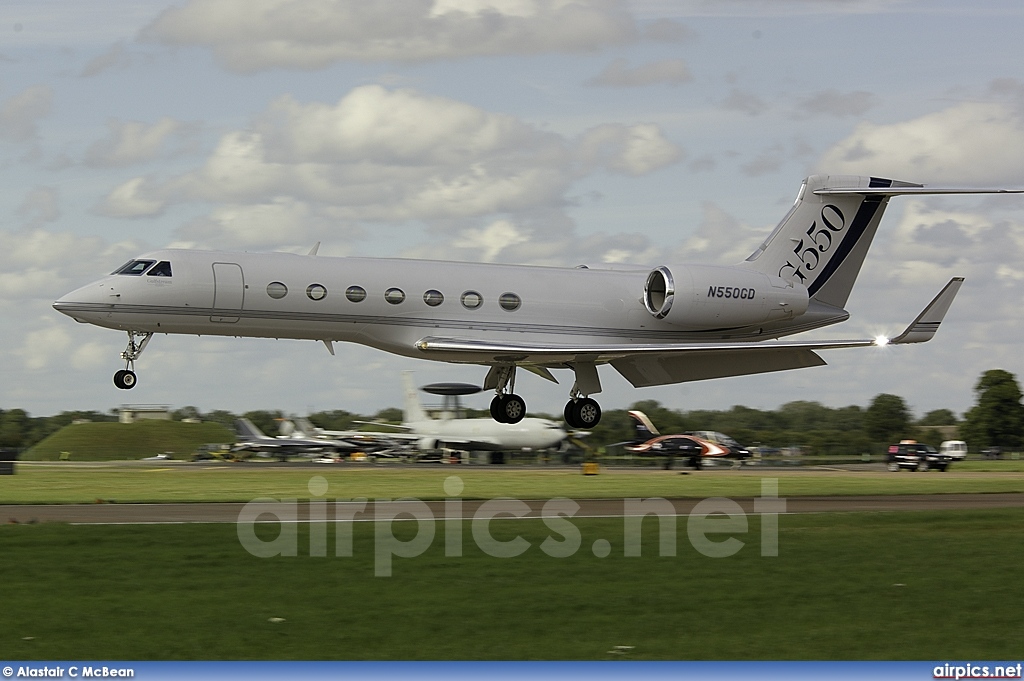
[161, 269]
[510, 302]
[316, 291]
[394, 296]
[433, 298]
[355, 294]
[471, 300]
[134, 267]
[277, 290]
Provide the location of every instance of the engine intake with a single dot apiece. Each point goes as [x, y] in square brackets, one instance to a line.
[702, 297]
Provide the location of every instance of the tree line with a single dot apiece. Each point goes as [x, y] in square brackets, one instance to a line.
[996, 420]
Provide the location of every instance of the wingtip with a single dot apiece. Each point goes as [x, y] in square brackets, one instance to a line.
[927, 323]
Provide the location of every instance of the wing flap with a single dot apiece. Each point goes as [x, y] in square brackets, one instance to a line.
[643, 371]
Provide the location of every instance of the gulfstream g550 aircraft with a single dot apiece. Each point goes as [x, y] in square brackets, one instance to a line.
[655, 325]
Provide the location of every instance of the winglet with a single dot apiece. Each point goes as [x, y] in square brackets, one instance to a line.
[312, 251]
[927, 323]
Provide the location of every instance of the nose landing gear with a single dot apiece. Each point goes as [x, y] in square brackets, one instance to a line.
[125, 379]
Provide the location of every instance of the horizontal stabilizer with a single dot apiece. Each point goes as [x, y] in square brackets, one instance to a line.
[913, 189]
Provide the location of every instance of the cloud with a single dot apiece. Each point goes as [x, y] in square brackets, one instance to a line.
[968, 143]
[633, 150]
[720, 239]
[667, 71]
[837, 104]
[668, 31]
[19, 115]
[44, 264]
[115, 57]
[253, 35]
[130, 142]
[745, 102]
[40, 205]
[386, 155]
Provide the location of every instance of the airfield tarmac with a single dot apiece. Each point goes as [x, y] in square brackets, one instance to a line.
[183, 513]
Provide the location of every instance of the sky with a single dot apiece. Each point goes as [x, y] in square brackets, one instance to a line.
[554, 132]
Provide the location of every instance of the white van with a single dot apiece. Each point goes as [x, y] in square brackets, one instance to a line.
[957, 449]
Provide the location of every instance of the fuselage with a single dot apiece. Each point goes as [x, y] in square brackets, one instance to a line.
[391, 303]
[530, 433]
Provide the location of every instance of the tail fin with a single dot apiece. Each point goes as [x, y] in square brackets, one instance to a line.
[645, 430]
[822, 241]
[412, 409]
[304, 428]
[248, 431]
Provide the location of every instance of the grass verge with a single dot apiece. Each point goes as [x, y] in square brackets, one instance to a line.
[917, 585]
[62, 484]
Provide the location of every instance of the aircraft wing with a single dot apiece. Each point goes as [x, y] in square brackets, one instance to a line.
[648, 364]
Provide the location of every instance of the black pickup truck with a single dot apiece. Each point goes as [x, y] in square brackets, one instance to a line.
[915, 456]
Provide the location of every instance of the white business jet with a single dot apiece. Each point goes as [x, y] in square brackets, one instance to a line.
[655, 325]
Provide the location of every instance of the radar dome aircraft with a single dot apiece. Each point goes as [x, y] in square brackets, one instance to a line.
[655, 325]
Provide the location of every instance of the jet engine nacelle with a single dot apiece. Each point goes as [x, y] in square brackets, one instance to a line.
[427, 444]
[703, 297]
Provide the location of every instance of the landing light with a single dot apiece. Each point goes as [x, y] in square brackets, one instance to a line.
[881, 341]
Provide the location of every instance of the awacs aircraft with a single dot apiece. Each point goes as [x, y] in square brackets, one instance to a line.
[695, 447]
[452, 432]
[451, 429]
[655, 325]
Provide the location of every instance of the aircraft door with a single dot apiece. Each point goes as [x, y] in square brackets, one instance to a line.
[228, 290]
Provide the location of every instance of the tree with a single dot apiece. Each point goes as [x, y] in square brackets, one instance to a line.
[997, 420]
[887, 418]
[938, 417]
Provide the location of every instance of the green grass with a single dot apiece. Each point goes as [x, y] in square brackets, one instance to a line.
[59, 483]
[110, 441]
[918, 585]
[988, 466]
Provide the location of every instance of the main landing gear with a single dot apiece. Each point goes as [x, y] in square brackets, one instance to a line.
[506, 407]
[581, 411]
[125, 379]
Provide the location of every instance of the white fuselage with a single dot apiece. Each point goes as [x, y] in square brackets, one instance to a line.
[484, 433]
[392, 303]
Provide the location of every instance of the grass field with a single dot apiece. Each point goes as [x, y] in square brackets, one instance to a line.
[60, 483]
[844, 586]
[112, 441]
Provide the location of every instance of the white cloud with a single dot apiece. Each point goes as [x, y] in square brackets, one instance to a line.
[40, 205]
[969, 143]
[131, 142]
[837, 104]
[132, 199]
[20, 114]
[619, 74]
[385, 155]
[41, 346]
[633, 150]
[251, 35]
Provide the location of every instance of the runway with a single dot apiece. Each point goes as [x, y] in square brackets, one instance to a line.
[349, 511]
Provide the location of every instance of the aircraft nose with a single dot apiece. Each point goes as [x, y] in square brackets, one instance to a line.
[87, 301]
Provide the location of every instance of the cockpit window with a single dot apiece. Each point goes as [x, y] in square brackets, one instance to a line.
[137, 267]
[161, 269]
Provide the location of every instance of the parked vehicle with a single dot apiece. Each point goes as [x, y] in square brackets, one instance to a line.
[915, 456]
[957, 449]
